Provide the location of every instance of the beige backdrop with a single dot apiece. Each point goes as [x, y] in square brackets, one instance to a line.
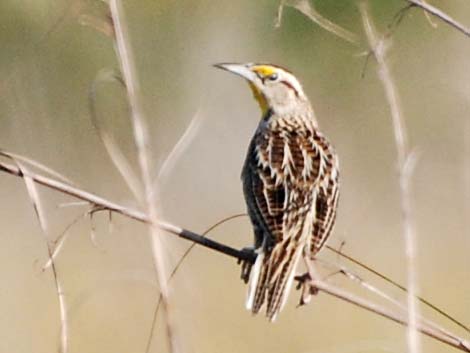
[48, 62]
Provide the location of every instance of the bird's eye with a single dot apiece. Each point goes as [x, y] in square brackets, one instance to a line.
[273, 77]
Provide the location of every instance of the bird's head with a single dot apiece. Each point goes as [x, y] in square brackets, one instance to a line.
[274, 88]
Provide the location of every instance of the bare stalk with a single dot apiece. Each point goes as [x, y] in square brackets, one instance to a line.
[405, 168]
[308, 9]
[397, 285]
[339, 293]
[33, 193]
[373, 289]
[451, 339]
[176, 268]
[141, 139]
[105, 204]
[114, 151]
[438, 13]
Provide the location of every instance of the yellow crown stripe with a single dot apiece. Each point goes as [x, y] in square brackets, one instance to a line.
[264, 70]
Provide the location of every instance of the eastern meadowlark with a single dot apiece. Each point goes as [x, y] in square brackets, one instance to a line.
[290, 183]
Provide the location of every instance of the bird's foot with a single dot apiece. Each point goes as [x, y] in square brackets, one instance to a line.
[304, 283]
[247, 263]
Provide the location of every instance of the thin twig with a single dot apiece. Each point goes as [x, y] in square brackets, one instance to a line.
[33, 194]
[114, 151]
[454, 341]
[405, 169]
[127, 212]
[141, 139]
[176, 268]
[307, 9]
[438, 13]
[317, 284]
[398, 285]
[60, 240]
[371, 288]
[181, 145]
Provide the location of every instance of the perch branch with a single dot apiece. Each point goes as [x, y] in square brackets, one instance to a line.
[93, 199]
[127, 212]
[317, 284]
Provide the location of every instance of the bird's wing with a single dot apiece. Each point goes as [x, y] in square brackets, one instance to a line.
[327, 196]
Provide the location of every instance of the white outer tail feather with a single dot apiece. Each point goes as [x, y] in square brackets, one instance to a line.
[253, 283]
[254, 276]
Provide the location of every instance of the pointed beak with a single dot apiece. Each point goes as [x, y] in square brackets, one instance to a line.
[242, 70]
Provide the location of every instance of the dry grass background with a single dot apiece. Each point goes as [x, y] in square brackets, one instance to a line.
[110, 287]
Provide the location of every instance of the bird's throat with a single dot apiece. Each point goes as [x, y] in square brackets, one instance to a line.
[260, 98]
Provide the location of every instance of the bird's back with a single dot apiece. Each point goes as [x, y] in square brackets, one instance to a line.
[282, 177]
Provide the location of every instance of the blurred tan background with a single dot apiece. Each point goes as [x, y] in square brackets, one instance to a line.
[48, 62]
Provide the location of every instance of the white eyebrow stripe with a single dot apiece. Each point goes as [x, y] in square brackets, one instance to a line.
[293, 81]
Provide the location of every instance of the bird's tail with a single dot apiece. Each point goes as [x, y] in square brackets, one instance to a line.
[271, 279]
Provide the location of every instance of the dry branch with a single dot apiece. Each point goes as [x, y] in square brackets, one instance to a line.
[105, 204]
[438, 13]
[319, 285]
[306, 8]
[406, 162]
[114, 151]
[141, 139]
[93, 199]
[33, 194]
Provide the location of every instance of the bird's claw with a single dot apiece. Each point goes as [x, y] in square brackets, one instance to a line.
[304, 282]
[246, 265]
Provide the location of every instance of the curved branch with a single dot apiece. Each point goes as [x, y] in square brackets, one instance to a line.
[127, 212]
[452, 340]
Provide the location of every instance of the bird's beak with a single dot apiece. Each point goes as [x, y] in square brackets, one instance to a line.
[242, 70]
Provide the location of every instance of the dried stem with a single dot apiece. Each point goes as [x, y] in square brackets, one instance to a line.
[33, 194]
[307, 9]
[406, 161]
[452, 340]
[371, 288]
[398, 285]
[405, 168]
[142, 143]
[176, 268]
[112, 147]
[436, 12]
[339, 293]
[126, 211]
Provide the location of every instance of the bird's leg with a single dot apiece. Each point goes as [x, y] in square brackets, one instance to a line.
[304, 283]
[301, 279]
[247, 264]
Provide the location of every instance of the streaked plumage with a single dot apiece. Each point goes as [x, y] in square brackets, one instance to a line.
[290, 183]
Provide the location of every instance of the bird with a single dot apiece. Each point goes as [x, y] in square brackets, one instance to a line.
[290, 183]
